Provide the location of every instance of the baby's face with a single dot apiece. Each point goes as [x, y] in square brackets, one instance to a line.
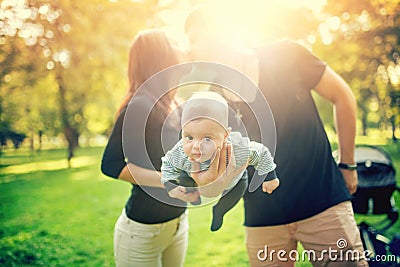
[201, 138]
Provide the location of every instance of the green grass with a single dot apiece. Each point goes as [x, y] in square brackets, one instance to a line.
[54, 216]
[61, 217]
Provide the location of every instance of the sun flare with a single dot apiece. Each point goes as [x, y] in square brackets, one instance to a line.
[252, 21]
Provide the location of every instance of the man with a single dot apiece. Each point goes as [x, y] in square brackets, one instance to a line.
[312, 206]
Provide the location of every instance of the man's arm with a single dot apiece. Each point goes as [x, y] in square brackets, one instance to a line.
[333, 88]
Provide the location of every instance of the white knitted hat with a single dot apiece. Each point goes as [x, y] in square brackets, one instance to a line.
[205, 104]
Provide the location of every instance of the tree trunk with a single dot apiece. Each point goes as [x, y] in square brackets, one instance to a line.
[40, 134]
[364, 123]
[70, 134]
[72, 137]
[32, 141]
[393, 124]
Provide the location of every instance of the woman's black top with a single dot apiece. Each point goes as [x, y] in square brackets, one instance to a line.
[142, 147]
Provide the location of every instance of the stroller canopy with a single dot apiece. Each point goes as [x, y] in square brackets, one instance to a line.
[374, 167]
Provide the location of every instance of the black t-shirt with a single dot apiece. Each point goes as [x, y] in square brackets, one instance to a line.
[142, 147]
[310, 180]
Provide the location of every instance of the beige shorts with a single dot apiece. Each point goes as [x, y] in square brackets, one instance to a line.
[328, 238]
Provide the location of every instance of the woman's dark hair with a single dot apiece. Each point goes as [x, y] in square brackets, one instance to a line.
[150, 52]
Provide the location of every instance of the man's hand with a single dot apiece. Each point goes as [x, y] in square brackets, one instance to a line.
[217, 167]
[219, 175]
[351, 180]
[180, 193]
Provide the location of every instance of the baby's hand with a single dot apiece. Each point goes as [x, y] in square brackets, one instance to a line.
[270, 186]
[181, 193]
[177, 192]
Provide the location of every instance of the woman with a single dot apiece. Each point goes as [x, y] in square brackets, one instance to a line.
[148, 232]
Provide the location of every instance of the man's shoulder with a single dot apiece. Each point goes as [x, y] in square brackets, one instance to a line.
[281, 51]
[282, 55]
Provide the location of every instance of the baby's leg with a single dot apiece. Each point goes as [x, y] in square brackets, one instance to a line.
[227, 202]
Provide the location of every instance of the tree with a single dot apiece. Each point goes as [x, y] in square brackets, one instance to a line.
[86, 46]
[64, 64]
[367, 36]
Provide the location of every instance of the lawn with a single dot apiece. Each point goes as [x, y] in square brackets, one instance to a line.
[54, 216]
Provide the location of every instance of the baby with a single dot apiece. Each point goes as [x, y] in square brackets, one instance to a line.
[205, 129]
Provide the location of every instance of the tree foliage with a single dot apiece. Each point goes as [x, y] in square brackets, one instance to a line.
[362, 42]
[64, 64]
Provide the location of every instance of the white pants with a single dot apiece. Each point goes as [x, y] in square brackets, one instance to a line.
[150, 245]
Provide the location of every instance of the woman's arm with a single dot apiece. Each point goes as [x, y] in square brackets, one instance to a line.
[137, 175]
[151, 178]
[114, 165]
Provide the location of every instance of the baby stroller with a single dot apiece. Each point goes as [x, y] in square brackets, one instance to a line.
[374, 196]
